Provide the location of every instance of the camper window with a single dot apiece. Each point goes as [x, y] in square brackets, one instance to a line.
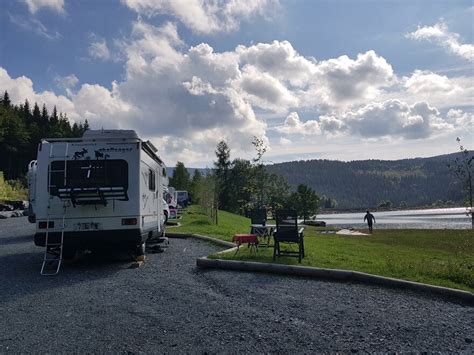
[151, 180]
[88, 174]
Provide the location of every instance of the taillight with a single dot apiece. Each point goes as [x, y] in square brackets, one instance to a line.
[42, 224]
[129, 221]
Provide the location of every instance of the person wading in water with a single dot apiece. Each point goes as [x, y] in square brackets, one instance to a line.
[370, 219]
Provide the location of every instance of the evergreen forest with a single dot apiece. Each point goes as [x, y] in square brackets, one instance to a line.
[378, 183]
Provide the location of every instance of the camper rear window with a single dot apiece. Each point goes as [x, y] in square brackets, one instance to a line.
[89, 173]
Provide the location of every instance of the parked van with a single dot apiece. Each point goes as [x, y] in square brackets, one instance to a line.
[183, 198]
[102, 190]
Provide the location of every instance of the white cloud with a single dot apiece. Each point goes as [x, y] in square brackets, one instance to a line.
[389, 119]
[34, 25]
[280, 60]
[293, 125]
[344, 81]
[204, 16]
[394, 118]
[439, 90]
[461, 119]
[331, 124]
[265, 91]
[188, 98]
[66, 83]
[54, 5]
[99, 50]
[440, 34]
[104, 108]
[21, 88]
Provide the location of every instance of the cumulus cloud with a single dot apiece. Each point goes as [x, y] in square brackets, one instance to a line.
[391, 118]
[344, 81]
[461, 119]
[293, 125]
[439, 90]
[265, 91]
[66, 83]
[280, 60]
[54, 5]
[394, 118]
[187, 98]
[440, 34]
[204, 16]
[21, 88]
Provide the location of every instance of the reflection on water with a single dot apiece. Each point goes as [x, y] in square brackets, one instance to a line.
[440, 218]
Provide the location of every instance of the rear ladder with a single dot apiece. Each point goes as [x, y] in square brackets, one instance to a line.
[53, 254]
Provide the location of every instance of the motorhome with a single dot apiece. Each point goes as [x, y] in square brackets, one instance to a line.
[102, 190]
[171, 197]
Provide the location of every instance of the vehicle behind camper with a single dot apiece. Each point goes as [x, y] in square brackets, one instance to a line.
[183, 198]
[171, 197]
[103, 190]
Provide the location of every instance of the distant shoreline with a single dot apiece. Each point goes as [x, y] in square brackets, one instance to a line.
[380, 209]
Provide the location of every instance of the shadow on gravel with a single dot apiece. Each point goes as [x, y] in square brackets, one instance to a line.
[17, 240]
[20, 272]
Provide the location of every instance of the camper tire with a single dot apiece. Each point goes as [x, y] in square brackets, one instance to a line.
[140, 249]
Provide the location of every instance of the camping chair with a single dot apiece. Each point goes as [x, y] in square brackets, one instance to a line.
[287, 232]
[259, 217]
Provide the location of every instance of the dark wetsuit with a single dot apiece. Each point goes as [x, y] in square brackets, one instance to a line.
[370, 219]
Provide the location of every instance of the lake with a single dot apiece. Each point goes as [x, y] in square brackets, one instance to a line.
[439, 218]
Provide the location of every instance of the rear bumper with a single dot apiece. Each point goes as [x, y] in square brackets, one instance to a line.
[91, 239]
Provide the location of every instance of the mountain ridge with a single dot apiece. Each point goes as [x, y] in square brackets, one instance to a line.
[369, 183]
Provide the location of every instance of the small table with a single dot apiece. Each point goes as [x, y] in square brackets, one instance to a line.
[264, 231]
[250, 239]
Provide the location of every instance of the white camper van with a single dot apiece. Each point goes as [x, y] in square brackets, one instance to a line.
[102, 190]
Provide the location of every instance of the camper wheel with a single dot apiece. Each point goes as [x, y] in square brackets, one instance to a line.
[140, 249]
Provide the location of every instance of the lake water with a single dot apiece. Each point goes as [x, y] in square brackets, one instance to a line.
[439, 218]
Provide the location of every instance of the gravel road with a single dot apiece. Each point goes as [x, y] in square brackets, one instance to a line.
[100, 305]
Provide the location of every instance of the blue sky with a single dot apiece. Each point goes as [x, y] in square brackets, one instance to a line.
[315, 79]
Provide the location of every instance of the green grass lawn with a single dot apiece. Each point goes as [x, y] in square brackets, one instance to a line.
[438, 257]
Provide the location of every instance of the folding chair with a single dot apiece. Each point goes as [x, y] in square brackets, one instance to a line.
[259, 217]
[287, 232]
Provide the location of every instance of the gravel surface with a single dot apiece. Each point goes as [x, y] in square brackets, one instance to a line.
[98, 304]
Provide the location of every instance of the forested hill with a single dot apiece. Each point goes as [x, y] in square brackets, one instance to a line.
[370, 183]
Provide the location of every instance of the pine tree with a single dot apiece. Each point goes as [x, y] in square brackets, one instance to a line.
[6, 99]
[222, 166]
[44, 123]
[306, 202]
[180, 178]
[194, 186]
[36, 114]
[27, 111]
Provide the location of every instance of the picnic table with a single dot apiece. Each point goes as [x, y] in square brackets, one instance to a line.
[250, 239]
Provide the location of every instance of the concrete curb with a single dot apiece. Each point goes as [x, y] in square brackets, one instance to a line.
[338, 275]
[321, 273]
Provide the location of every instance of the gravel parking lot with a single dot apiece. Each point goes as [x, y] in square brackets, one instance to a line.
[99, 304]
